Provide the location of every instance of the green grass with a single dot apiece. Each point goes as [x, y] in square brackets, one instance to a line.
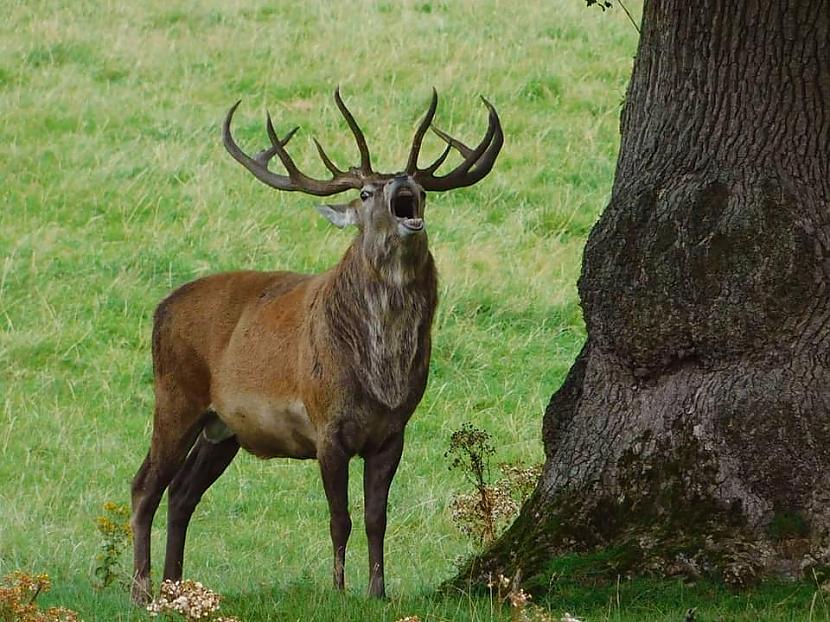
[115, 188]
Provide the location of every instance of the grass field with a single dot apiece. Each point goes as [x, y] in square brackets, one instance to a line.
[115, 189]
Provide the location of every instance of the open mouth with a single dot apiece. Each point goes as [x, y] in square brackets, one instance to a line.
[405, 207]
[405, 204]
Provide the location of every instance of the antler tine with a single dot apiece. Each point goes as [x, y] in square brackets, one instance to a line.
[272, 134]
[451, 142]
[463, 149]
[412, 163]
[326, 160]
[264, 156]
[255, 166]
[477, 162]
[438, 162]
[277, 146]
[360, 139]
[485, 164]
[470, 155]
[295, 180]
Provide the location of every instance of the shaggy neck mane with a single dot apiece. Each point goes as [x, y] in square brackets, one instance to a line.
[380, 308]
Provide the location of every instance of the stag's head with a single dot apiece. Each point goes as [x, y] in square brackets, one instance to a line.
[390, 207]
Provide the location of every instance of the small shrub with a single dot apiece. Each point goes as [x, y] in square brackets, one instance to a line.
[485, 511]
[187, 600]
[474, 513]
[18, 593]
[114, 527]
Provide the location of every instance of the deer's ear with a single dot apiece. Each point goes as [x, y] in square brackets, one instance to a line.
[340, 215]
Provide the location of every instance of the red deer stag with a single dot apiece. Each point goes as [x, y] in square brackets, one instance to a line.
[323, 366]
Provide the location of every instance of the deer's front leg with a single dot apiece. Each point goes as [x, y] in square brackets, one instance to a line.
[378, 471]
[334, 468]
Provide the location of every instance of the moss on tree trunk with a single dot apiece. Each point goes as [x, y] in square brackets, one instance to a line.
[692, 434]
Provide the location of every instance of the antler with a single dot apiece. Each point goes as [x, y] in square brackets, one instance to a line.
[476, 164]
[296, 180]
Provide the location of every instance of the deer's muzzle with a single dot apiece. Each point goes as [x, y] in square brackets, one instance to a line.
[406, 205]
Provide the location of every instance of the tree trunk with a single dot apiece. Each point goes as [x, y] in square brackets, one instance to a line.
[693, 432]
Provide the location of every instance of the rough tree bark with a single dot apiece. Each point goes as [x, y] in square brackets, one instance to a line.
[693, 432]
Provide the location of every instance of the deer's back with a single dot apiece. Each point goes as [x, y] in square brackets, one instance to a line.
[193, 325]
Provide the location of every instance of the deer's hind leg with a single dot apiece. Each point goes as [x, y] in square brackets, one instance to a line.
[178, 419]
[206, 462]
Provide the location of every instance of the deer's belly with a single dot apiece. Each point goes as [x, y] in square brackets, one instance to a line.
[267, 427]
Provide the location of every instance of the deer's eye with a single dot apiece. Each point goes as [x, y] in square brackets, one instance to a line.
[365, 195]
